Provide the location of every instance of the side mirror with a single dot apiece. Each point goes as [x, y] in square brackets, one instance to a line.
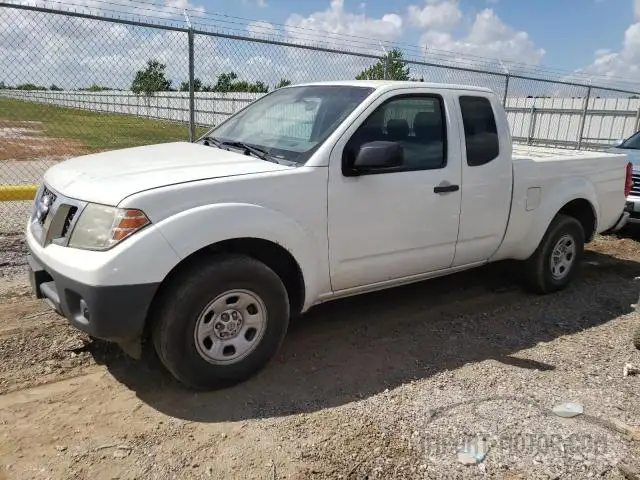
[378, 155]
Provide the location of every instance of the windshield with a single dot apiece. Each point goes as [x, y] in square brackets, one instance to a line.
[291, 122]
[632, 142]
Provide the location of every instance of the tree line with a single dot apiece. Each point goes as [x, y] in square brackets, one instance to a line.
[52, 88]
[153, 78]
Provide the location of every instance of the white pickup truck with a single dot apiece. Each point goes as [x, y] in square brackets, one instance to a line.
[311, 193]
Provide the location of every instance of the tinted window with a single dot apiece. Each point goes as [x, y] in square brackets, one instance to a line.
[414, 122]
[480, 132]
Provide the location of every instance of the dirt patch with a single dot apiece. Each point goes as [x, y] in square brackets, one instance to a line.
[26, 141]
[380, 386]
[13, 260]
[623, 245]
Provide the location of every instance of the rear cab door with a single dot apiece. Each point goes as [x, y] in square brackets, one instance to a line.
[487, 173]
[400, 222]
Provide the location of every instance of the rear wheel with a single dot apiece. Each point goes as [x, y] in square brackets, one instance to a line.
[557, 258]
[221, 322]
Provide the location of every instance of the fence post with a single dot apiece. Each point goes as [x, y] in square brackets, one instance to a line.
[192, 100]
[532, 123]
[583, 120]
[506, 91]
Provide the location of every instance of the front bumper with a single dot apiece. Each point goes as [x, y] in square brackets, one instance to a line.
[115, 313]
[632, 206]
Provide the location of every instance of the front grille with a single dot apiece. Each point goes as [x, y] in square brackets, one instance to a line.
[68, 221]
[46, 191]
[54, 217]
[635, 188]
[44, 205]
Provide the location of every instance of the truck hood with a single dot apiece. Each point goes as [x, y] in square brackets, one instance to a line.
[109, 177]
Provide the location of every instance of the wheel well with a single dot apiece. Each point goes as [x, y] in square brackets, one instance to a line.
[274, 256]
[271, 254]
[582, 210]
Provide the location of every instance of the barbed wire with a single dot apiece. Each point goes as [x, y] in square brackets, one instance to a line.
[334, 39]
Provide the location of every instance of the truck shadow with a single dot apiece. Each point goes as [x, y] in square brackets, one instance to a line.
[631, 231]
[351, 349]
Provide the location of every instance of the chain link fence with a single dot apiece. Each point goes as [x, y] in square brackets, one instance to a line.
[76, 83]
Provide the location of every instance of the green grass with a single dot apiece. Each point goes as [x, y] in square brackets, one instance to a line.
[94, 130]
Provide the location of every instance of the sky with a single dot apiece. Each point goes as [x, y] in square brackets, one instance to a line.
[559, 33]
[586, 40]
[598, 37]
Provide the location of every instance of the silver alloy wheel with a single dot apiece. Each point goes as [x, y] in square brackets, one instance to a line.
[562, 257]
[230, 327]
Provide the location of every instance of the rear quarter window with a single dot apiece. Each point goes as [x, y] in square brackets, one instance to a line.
[480, 131]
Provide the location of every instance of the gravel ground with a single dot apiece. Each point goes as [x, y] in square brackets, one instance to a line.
[12, 255]
[382, 386]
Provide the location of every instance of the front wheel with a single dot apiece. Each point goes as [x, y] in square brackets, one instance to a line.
[221, 322]
[557, 258]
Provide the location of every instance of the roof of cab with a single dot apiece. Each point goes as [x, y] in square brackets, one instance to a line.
[391, 84]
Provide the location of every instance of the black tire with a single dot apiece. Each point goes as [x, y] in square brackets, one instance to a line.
[537, 268]
[187, 296]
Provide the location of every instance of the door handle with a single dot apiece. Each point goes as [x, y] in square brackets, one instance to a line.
[446, 188]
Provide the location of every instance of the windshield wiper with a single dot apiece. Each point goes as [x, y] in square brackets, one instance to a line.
[255, 151]
[213, 140]
[258, 152]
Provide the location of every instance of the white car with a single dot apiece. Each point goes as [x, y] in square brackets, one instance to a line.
[311, 193]
[631, 148]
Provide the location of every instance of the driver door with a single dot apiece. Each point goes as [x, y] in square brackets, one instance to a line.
[400, 222]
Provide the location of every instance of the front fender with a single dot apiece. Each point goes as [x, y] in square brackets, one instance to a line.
[526, 228]
[196, 228]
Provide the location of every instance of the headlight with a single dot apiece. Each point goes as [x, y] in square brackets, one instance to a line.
[100, 227]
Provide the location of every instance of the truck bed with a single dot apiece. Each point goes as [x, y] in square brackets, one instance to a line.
[545, 178]
[522, 152]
